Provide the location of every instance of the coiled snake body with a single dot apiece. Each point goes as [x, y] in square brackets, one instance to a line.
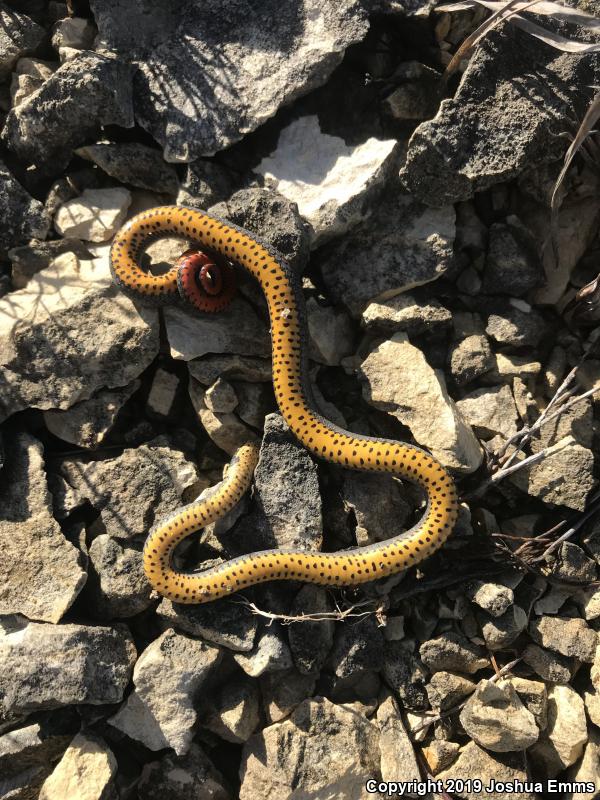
[282, 290]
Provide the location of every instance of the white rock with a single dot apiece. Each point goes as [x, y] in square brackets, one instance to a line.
[567, 728]
[86, 771]
[163, 392]
[73, 32]
[325, 177]
[96, 215]
[400, 381]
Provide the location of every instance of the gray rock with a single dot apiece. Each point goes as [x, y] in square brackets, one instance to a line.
[41, 572]
[28, 259]
[192, 774]
[133, 163]
[223, 623]
[417, 94]
[495, 718]
[377, 503]
[323, 749]
[19, 35]
[517, 326]
[287, 510]
[28, 75]
[84, 94]
[87, 763]
[399, 380]
[310, 642]
[73, 33]
[512, 267]
[490, 412]
[571, 637]
[206, 183]
[35, 746]
[549, 666]
[41, 368]
[398, 759]
[405, 246]
[86, 424]
[470, 358]
[534, 696]
[440, 754]
[500, 632]
[334, 185]
[508, 367]
[23, 217]
[331, 333]
[492, 597]
[168, 675]
[226, 430]
[405, 313]
[236, 330]
[117, 586]
[135, 490]
[567, 727]
[573, 565]
[188, 63]
[576, 422]
[474, 761]
[163, 393]
[282, 692]
[357, 648]
[564, 476]
[446, 689]
[452, 652]
[405, 675]
[255, 402]
[209, 368]
[508, 126]
[589, 602]
[221, 397]
[51, 666]
[269, 654]
[233, 712]
[271, 217]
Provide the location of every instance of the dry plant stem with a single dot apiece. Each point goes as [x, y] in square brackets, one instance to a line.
[337, 615]
[486, 26]
[437, 717]
[594, 507]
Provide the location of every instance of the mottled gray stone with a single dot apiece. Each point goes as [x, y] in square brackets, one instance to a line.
[28, 259]
[512, 266]
[270, 653]
[133, 163]
[135, 490]
[19, 35]
[88, 764]
[86, 424]
[405, 675]
[40, 366]
[490, 412]
[117, 586]
[223, 623]
[573, 565]
[168, 676]
[322, 749]
[454, 652]
[405, 246]
[310, 642]
[357, 648]
[470, 358]
[447, 689]
[495, 127]
[283, 691]
[192, 775]
[549, 666]
[41, 572]
[85, 93]
[495, 718]
[571, 637]
[398, 758]
[405, 313]
[209, 368]
[23, 217]
[233, 711]
[210, 74]
[377, 503]
[49, 666]
[474, 761]
[517, 326]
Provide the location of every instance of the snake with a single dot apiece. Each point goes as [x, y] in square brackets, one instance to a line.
[197, 281]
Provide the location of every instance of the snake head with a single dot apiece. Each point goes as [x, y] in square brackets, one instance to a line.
[586, 305]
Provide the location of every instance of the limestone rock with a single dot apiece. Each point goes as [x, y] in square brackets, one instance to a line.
[474, 761]
[41, 368]
[117, 585]
[331, 182]
[398, 760]
[188, 63]
[270, 654]
[399, 380]
[24, 218]
[133, 163]
[405, 246]
[19, 35]
[447, 689]
[323, 748]
[568, 636]
[49, 666]
[405, 313]
[192, 774]
[495, 718]
[95, 216]
[85, 93]
[135, 490]
[223, 623]
[453, 652]
[168, 675]
[233, 712]
[41, 572]
[310, 642]
[87, 770]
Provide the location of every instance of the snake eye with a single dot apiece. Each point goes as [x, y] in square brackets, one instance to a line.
[206, 284]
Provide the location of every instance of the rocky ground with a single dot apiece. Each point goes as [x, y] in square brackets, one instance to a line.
[417, 211]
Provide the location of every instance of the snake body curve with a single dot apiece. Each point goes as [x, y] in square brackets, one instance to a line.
[283, 293]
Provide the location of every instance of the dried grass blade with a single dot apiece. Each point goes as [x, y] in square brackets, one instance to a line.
[544, 7]
[554, 39]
